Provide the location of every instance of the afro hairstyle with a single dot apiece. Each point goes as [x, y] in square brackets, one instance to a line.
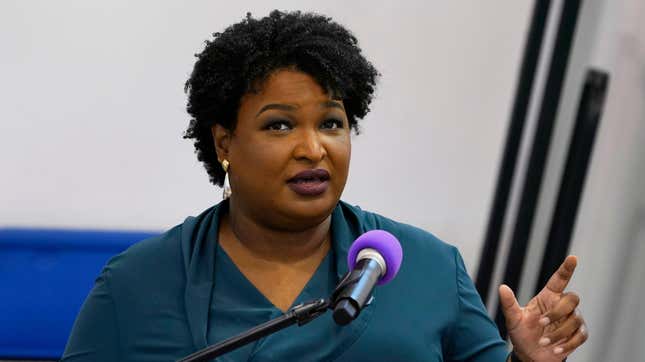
[238, 60]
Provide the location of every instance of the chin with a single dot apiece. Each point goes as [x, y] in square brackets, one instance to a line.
[308, 213]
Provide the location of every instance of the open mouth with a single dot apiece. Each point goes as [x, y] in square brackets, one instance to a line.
[310, 176]
[310, 182]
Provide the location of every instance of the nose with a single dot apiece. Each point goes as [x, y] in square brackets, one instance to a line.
[309, 147]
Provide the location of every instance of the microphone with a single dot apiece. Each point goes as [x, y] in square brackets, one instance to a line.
[373, 259]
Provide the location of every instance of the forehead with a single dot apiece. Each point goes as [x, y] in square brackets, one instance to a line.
[287, 86]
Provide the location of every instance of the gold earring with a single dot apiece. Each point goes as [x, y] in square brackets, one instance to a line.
[226, 187]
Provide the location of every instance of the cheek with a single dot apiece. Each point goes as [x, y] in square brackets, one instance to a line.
[264, 160]
[340, 154]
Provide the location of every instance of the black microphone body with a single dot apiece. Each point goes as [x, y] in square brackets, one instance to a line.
[357, 290]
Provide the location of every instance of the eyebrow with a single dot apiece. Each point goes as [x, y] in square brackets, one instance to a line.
[278, 106]
[289, 107]
[333, 104]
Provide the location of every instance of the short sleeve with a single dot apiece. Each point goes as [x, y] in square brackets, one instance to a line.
[474, 335]
[95, 335]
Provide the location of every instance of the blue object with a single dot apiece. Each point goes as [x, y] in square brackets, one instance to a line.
[45, 275]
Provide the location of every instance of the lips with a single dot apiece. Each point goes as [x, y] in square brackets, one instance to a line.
[310, 182]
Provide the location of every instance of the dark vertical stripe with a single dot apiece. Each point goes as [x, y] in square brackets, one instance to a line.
[584, 134]
[511, 149]
[540, 149]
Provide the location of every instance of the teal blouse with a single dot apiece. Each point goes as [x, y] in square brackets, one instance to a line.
[176, 293]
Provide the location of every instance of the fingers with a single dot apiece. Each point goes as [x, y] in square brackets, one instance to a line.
[561, 277]
[566, 347]
[510, 307]
[564, 331]
[563, 308]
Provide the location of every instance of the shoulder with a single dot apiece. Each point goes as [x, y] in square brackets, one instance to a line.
[429, 273]
[414, 240]
[146, 265]
[159, 259]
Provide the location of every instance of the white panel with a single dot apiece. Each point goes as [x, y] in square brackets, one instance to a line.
[93, 110]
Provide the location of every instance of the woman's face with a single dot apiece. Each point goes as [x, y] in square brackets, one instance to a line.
[289, 153]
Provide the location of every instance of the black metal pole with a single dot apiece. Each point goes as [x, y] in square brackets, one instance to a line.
[572, 185]
[511, 149]
[540, 150]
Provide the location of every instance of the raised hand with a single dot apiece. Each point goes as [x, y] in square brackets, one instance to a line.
[549, 327]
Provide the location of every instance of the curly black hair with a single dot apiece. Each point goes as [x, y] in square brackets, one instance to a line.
[239, 59]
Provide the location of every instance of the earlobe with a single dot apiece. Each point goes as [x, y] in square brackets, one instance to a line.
[221, 139]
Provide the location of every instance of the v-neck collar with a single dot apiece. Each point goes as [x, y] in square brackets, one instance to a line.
[199, 241]
[245, 289]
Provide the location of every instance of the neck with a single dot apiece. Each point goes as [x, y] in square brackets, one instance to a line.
[241, 231]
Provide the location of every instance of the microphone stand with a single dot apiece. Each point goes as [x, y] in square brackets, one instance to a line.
[301, 314]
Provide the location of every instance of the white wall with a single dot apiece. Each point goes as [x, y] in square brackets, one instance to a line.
[610, 233]
[93, 110]
[92, 114]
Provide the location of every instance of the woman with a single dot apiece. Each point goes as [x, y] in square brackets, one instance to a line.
[273, 103]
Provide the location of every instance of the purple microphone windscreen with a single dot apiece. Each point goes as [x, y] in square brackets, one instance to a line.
[386, 244]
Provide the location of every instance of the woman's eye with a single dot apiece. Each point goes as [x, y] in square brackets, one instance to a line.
[278, 126]
[332, 124]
